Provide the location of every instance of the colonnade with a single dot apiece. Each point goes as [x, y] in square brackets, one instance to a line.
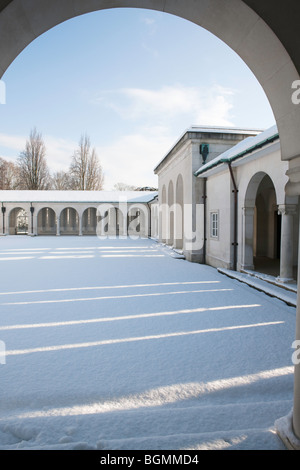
[103, 220]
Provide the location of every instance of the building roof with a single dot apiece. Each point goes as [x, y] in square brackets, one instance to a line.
[78, 196]
[245, 147]
[195, 132]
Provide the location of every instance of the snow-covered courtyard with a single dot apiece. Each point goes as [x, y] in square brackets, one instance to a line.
[115, 344]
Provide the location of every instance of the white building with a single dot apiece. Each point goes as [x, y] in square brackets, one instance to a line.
[230, 210]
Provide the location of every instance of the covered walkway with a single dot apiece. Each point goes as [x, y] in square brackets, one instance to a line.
[78, 213]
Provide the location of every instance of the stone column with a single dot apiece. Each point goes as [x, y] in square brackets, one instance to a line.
[288, 427]
[287, 212]
[58, 226]
[33, 221]
[3, 222]
[47, 222]
[80, 225]
[248, 235]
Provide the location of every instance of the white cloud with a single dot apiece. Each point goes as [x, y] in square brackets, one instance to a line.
[13, 142]
[156, 117]
[150, 23]
[202, 106]
[132, 158]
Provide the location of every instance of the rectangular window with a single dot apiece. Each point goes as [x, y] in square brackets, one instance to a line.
[214, 224]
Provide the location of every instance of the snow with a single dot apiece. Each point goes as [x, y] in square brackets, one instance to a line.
[284, 428]
[78, 196]
[243, 146]
[267, 284]
[116, 344]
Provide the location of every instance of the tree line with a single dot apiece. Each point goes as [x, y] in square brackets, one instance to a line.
[31, 172]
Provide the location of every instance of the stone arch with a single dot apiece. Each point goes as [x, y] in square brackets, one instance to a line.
[233, 21]
[69, 221]
[138, 220]
[154, 218]
[262, 224]
[89, 221]
[163, 215]
[18, 221]
[179, 213]
[170, 214]
[46, 221]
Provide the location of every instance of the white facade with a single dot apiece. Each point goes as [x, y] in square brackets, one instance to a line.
[242, 218]
[181, 193]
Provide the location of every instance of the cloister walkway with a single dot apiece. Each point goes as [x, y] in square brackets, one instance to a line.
[115, 344]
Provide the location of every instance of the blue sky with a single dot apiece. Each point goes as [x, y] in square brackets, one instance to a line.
[133, 80]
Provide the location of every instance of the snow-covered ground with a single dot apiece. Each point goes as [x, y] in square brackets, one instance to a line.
[114, 344]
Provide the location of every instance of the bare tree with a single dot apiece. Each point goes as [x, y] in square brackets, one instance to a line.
[86, 170]
[34, 173]
[61, 181]
[124, 187]
[9, 175]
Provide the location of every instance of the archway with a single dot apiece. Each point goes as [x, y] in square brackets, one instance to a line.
[262, 226]
[171, 214]
[18, 221]
[267, 229]
[69, 222]
[46, 222]
[89, 221]
[254, 35]
[163, 215]
[138, 221]
[249, 32]
[179, 214]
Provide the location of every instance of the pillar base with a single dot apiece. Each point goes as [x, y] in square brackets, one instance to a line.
[285, 280]
[284, 430]
[247, 267]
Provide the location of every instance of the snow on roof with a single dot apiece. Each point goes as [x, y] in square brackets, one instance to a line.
[223, 130]
[245, 146]
[78, 196]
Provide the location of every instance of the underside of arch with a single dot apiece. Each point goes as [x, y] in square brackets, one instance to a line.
[263, 47]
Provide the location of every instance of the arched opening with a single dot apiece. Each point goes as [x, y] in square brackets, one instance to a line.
[179, 214]
[235, 23]
[267, 229]
[240, 26]
[262, 226]
[106, 215]
[89, 221]
[171, 214]
[154, 221]
[46, 222]
[18, 221]
[69, 222]
[163, 215]
[138, 216]
[121, 229]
